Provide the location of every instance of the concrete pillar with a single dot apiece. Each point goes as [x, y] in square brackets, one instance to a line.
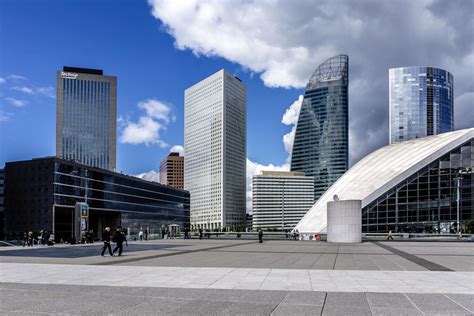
[344, 220]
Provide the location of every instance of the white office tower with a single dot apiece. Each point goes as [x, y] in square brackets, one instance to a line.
[215, 145]
[280, 199]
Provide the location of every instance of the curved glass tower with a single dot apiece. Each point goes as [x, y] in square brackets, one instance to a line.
[321, 145]
[421, 102]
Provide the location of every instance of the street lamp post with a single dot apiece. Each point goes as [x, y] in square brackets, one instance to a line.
[461, 171]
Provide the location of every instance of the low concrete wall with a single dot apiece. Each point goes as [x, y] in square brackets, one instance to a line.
[344, 221]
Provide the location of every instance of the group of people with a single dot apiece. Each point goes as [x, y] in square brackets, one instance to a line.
[143, 235]
[41, 238]
[118, 237]
[87, 236]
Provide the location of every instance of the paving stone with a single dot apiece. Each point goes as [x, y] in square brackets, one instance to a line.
[395, 312]
[467, 301]
[345, 310]
[335, 299]
[389, 300]
[296, 310]
[304, 298]
[436, 303]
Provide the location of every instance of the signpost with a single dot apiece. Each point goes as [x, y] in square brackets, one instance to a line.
[81, 219]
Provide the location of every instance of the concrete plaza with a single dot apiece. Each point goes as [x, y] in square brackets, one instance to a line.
[217, 276]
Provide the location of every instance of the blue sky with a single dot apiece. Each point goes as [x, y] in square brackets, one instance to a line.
[39, 37]
[158, 48]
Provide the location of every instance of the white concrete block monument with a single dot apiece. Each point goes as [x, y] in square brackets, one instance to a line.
[344, 220]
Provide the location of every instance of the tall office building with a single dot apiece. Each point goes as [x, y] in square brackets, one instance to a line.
[215, 144]
[280, 199]
[321, 144]
[421, 102]
[172, 171]
[86, 117]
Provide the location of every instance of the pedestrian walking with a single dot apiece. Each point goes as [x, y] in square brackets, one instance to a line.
[124, 234]
[140, 235]
[106, 240]
[200, 233]
[118, 240]
[260, 236]
[45, 237]
[163, 233]
[30, 239]
[40, 238]
[146, 234]
[389, 236]
[25, 239]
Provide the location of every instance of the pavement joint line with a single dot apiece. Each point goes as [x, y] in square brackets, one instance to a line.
[457, 303]
[335, 258]
[429, 265]
[183, 252]
[416, 306]
[324, 303]
[275, 307]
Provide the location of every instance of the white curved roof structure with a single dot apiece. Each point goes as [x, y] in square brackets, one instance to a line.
[380, 171]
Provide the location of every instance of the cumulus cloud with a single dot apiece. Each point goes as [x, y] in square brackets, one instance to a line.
[157, 110]
[291, 118]
[151, 175]
[147, 129]
[43, 91]
[177, 149]
[16, 102]
[292, 113]
[285, 41]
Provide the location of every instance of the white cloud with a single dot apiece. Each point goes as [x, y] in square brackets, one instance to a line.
[4, 116]
[16, 78]
[16, 102]
[43, 91]
[48, 91]
[147, 129]
[157, 110]
[24, 90]
[288, 140]
[2, 80]
[177, 149]
[151, 175]
[292, 113]
[284, 42]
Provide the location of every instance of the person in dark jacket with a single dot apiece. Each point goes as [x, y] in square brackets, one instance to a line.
[118, 240]
[106, 240]
[200, 233]
[260, 236]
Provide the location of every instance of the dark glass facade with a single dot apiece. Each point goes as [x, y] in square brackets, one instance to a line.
[321, 145]
[427, 200]
[42, 194]
[421, 102]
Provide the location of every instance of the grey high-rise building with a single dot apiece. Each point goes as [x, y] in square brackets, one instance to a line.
[215, 124]
[86, 117]
[421, 102]
[321, 145]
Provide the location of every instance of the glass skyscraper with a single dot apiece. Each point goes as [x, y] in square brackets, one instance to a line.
[321, 142]
[86, 117]
[421, 102]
